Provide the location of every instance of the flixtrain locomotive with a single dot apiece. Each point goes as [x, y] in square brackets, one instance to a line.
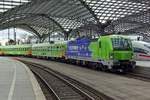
[112, 52]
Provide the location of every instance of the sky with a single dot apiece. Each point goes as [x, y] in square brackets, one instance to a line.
[19, 32]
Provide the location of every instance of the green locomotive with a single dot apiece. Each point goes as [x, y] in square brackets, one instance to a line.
[116, 53]
[112, 52]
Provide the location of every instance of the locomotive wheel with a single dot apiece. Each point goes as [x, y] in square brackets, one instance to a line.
[100, 66]
[104, 68]
[97, 66]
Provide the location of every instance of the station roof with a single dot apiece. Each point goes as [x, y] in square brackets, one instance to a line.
[44, 16]
[5, 5]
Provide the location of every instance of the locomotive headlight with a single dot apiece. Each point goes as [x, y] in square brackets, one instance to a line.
[111, 55]
[132, 56]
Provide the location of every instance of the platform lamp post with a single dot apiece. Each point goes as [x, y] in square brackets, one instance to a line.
[49, 35]
[113, 28]
[53, 29]
[8, 35]
[15, 35]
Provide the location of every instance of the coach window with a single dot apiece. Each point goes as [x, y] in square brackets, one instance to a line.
[139, 50]
[148, 46]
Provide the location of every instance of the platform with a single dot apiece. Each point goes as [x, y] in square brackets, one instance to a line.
[17, 82]
[115, 86]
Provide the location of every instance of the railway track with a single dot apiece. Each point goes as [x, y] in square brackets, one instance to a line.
[135, 75]
[138, 76]
[60, 87]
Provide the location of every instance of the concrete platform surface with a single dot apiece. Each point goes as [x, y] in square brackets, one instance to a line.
[143, 63]
[115, 86]
[17, 82]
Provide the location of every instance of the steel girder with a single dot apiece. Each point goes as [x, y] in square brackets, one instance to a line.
[28, 28]
[72, 14]
[25, 19]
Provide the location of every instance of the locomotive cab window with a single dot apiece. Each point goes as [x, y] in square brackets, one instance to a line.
[121, 44]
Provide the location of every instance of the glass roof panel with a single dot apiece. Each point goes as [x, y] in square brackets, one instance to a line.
[115, 9]
[8, 4]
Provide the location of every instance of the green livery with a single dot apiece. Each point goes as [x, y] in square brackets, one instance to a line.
[16, 50]
[111, 52]
[103, 48]
[49, 50]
